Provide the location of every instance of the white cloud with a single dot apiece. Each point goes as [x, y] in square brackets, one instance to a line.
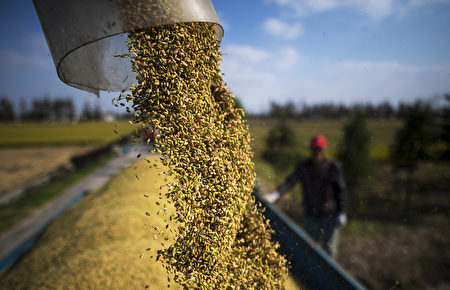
[253, 74]
[286, 58]
[246, 53]
[368, 81]
[250, 56]
[376, 9]
[284, 75]
[225, 24]
[282, 29]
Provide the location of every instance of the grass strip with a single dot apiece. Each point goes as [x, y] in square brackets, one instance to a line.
[18, 209]
[62, 134]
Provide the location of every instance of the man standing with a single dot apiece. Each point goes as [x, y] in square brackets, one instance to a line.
[324, 195]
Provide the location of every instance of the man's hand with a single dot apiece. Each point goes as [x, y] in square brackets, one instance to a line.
[342, 219]
[272, 197]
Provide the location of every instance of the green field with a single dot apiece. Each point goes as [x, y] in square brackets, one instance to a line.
[43, 134]
[383, 132]
[36, 134]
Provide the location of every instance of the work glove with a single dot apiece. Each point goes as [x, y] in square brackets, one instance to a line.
[272, 197]
[342, 219]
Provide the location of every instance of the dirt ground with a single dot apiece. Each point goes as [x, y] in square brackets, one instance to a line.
[397, 255]
[384, 248]
[406, 257]
[395, 250]
[22, 165]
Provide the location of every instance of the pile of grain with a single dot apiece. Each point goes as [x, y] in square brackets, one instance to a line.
[222, 240]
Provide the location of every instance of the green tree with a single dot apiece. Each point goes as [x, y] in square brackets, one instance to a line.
[238, 105]
[6, 110]
[353, 152]
[281, 147]
[91, 113]
[411, 144]
[445, 134]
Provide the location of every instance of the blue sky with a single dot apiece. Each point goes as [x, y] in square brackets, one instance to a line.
[306, 51]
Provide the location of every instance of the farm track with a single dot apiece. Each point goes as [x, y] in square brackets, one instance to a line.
[20, 166]
[12, 240]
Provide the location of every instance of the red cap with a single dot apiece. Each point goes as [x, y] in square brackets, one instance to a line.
[319, 141]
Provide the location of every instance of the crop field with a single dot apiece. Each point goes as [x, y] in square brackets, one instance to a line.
[109, 230]
[102, 242]
[62, 134]
[383, 132]
[15, 210]
[380, 246]
[21, 165]
[30, 150]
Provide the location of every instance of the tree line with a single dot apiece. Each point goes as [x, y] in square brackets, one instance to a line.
[383, 110]
[48, 110]
[416, 141]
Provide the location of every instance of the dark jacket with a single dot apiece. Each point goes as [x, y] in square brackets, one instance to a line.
[324, 191]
